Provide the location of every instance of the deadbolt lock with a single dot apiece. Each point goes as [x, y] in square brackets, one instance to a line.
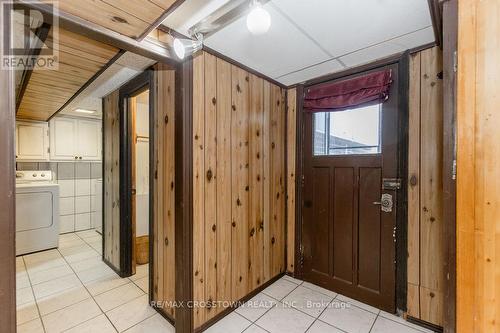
[385, 203]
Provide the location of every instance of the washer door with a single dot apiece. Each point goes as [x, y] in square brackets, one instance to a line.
[34, 211]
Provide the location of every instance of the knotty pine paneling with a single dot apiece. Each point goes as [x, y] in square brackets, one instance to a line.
[478, 171]
[111, 158]
[164, 188]
[425, 188]
[239, 183]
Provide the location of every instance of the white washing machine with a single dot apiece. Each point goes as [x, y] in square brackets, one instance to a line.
[37, 212]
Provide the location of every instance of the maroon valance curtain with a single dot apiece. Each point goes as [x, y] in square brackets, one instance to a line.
[370, 88]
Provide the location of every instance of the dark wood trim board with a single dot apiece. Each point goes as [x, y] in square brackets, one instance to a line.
[8, 193]
[450, 43]
[140, 83]
[184, 195]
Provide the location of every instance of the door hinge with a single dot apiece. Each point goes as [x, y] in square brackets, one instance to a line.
[301, 255]
[394, 234]
[302, 181]
[455, 61]
[454, 170]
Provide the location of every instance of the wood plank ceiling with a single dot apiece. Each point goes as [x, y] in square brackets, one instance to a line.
[131, 18]
[80, 58]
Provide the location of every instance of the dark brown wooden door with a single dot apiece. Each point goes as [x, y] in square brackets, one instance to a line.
[348, 235]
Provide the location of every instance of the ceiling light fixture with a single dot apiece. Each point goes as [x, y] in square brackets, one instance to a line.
[258, 20]
[85, 111]
[183, 47]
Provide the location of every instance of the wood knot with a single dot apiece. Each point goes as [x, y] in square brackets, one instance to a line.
[196, 137]
[171, 185]
[247, 78]
[258, 178]
[252, 232]
[273, 145]
[238, 202]
[166, 119]
[233, 224]
[209, 174]
[261, 226]
[247, 188]
[241, 278]
[166, 241]
[119, 19]
[238, 88]
[432, 219]
[233, 107]
[214, 228]
[196, 273]
[214, 100]
[431, 294]
[258, 156]
[273, 240]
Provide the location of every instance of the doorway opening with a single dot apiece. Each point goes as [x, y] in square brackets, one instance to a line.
[136, 209]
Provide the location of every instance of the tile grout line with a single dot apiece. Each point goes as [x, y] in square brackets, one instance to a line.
[34, 298]
[103, 312]
[93, 299]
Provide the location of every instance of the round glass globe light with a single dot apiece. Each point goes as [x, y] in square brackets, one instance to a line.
[258, 20]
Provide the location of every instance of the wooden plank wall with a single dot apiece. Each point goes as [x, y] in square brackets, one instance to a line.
[291, 180]
[238, 183]
[164, 188]
[111, 135]
[478, 171]
[425, 191]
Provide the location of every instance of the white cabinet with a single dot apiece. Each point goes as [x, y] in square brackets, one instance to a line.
[75, 139]
[32, 141]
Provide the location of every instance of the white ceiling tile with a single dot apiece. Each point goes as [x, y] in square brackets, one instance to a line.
[343, 26]
[281, 50]
[325, 68]
[371, 54]
[415, 39]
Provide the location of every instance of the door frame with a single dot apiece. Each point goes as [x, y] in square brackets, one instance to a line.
[140, 83]
[8, 194]
[402, 60]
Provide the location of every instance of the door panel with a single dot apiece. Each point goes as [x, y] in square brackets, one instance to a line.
[348, 238]
[343, 215]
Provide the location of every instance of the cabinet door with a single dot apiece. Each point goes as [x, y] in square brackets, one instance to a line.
[31, 141]
[88, 142]
[63, 139]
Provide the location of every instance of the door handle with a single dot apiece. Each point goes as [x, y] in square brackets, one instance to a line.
[385, 203]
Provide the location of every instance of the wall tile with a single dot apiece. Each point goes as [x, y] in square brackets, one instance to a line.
[96, 170]
[66, 170]
[82, 170]
[66, 188]
[24, 166]
[82, 205]
[66, 224]
[67, 206]
[82, 221]
[82, 187]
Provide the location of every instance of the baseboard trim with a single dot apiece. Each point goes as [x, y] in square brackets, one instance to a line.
[244, 299]
[424, 324]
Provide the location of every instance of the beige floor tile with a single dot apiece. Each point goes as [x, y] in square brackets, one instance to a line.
[38, 277]
[280, 289]
[87, 264]
[143, 283]
[71, 316]
[154, 324]
[95, 273]
[256, 307]
[56, 286]
[321, 327]
[309, 301]
[24, 295]
[97, 287]
[22, 280]
[285, 319]
[62, 299]
[43, 265]
[140, 272]
[118, 296]
[131, 313]
[98, 324]
[233, 322]
[26, 312]
[33, 326]
[348, 318]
